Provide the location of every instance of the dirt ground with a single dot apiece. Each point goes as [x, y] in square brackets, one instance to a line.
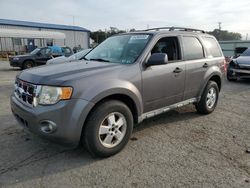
[178, 149]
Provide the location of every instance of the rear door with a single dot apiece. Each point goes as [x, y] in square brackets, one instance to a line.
[163, 85]
[196, 65]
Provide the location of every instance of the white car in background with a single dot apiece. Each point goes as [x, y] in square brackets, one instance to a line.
[63, 59]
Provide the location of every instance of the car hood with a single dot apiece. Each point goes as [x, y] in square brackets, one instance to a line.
[22, 56]
[58, 74]
[60, 59]
[243, 60]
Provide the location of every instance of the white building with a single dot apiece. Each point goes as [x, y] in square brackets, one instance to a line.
[23, 36]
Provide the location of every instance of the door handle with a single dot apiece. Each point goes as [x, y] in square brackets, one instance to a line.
[205, 65]
[177, 70]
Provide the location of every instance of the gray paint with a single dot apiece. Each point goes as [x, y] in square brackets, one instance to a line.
[153, 89]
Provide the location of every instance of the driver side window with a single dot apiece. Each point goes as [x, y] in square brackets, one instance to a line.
[45, 51]
[169, 46]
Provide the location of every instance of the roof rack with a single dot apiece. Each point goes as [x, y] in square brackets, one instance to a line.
[175, 28]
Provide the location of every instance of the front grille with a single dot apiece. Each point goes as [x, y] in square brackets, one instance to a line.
[24, 91]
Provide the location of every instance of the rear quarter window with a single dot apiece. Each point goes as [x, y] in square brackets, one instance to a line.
[212, 46]
[192, 48]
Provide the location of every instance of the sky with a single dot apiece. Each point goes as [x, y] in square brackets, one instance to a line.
[128, 14]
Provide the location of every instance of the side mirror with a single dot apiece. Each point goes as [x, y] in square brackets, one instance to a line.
[157, 59]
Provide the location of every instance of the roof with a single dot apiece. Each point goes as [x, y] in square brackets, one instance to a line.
[20, 33]
[41, 25]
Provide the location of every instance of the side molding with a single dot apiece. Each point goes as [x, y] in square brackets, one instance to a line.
[165, 109]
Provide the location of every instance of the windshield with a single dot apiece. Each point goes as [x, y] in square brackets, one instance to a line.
[246, 52]
[123, 49]
[78, 55]
[35, 51]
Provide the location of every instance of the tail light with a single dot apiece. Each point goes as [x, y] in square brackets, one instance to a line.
[225, 65]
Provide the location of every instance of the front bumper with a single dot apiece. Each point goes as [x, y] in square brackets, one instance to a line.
[68, 115]
[240, 73]
[15, 63]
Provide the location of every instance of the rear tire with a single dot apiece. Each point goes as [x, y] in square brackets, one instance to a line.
[108, 129]
[28, 64]
[209, 98]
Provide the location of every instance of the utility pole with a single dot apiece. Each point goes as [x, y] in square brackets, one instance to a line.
[219, 35]
[247, 36]
[219, 23]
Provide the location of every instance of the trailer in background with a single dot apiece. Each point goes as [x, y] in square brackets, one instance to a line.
[234, 48]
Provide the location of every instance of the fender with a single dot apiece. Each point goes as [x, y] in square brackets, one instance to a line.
[111, 87]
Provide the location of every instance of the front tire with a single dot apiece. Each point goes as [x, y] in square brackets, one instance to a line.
[28, 64]
[209, 98]
[108, 129]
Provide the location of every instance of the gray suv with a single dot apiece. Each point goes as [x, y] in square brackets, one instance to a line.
[124, 80]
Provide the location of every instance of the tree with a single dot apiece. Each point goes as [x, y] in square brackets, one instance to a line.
[225, 35]
[99, 36]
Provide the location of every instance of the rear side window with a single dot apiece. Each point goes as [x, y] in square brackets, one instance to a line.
[192, 48]
[212, 46]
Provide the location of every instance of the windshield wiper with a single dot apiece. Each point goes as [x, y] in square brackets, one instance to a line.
[99, 59]
[84, 58]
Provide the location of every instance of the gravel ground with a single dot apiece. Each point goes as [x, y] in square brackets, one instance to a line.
[178, 149]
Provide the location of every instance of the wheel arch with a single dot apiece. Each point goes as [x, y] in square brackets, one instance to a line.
[127, 100]
[216, 77]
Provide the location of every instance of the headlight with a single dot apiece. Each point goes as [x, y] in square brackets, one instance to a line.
[16, 58]
[51, 95]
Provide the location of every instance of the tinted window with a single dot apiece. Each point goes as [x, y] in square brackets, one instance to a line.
[192, 48]
[212, 46]
[169, 46]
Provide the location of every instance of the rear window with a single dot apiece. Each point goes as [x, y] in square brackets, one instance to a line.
[192, 48]
[212, 46]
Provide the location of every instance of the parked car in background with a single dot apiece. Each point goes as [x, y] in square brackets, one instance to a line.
[239, 67]
[64, 59]
[39, 56]
[126, 79]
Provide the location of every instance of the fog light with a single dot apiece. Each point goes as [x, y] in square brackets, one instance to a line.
[47, 126]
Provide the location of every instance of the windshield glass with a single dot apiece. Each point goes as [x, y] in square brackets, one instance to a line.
[123, 49]
[246, 52]
[35, 51]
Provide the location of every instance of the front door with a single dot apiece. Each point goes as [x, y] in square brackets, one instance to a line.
[43, 56]
[163, 85]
